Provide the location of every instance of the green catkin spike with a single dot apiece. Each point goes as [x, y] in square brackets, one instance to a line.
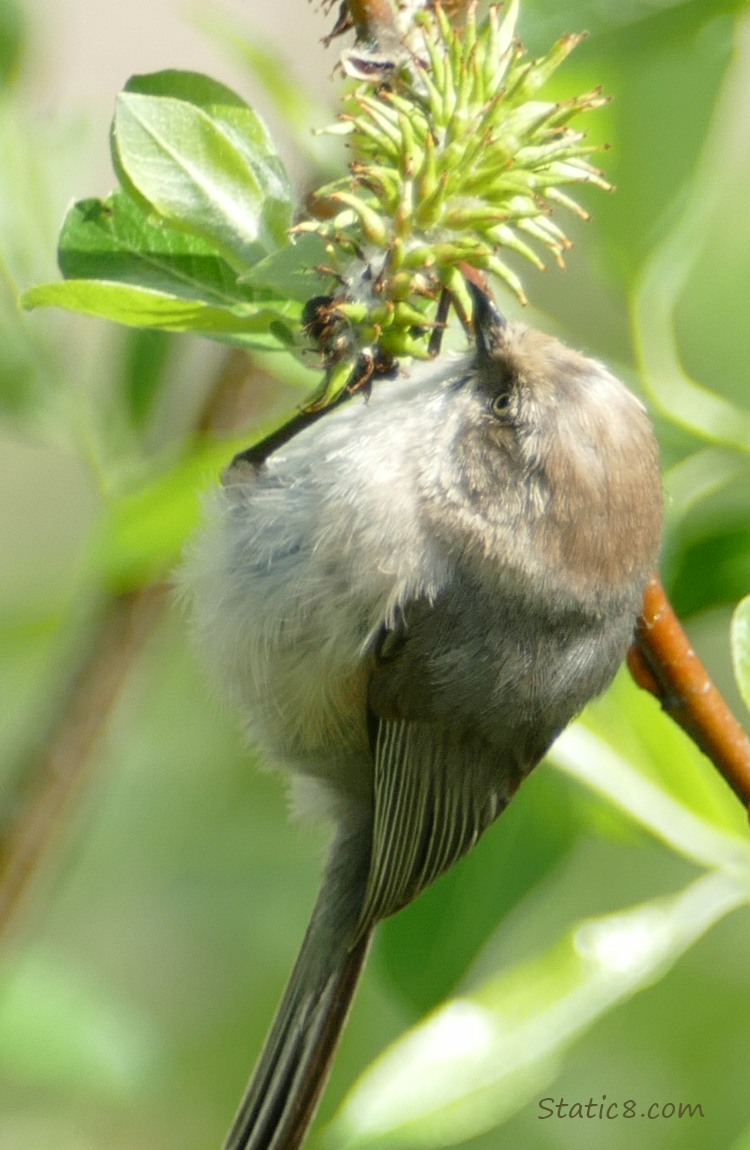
[541, 70]
[546, 230]
[434, 78]
[557, 197]
[356, 312]
[469, 36]
[383, 147]
[478, 63]
[530, 119]
[374, 227]
[516, 77]
[569, 173]
[453, 280]
[374, 178]
[461, 218]
[453, 163]
[433, 110]
[567, 109]
[411, 153]
[404, 215]
[384, 118]
[539, 156]
[335, 381]
[507, 238]
[503, 272]
[402, 344]
[408, 315]
[429, 209]
[499, 67]
[504, 32]
[427, 176]
[463, 95]
[556, 249]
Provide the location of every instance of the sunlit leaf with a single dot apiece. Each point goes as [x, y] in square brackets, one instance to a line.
[740, 636]
[115, 240]
[593, 762]
[687, 402]
[626, 731]
[483, 1056]
[144, 307]
[201, 158]
[290, 273]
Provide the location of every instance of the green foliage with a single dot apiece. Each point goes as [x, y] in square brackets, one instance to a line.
[57, 1030]
[485, 1054]
[11, 39]
[594, 942]
[197, 240]
[456, 161]
[741, 648]
[198, 156]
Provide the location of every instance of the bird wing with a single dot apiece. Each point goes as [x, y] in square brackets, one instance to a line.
[438, 783]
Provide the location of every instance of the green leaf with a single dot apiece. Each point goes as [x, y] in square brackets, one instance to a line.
[712, 569]
[142, 537]
[202, 159]
[144, 368]
[134, 306]
[131, 267]
[115, 240]
[482, 1057]
[590, 760]
[740, 639]
[290, 273]
[625, 736]
[218, 101]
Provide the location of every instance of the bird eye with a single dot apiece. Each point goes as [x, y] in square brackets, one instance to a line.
[501, 405]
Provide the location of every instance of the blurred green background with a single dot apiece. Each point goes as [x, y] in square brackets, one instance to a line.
[137, 982]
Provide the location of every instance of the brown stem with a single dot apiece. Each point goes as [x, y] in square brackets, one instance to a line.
[663, 662]
[48, 789]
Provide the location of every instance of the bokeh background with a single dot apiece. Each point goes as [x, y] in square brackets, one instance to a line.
[140, 971]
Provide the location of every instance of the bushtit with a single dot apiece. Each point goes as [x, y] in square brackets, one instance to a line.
[410, 599]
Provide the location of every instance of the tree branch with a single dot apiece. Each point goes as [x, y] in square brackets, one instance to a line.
[52, 782]
[663, 662]
[55, 771]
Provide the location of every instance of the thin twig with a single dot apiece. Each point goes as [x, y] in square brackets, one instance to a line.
[663, 662]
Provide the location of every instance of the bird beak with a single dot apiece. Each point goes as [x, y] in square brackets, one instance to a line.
[489, 324]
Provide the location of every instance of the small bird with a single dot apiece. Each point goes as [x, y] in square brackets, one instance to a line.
[409, 600]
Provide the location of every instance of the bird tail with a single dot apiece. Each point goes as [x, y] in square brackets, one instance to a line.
[283, 1093]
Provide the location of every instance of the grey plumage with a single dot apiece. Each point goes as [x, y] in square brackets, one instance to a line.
[409, 601]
